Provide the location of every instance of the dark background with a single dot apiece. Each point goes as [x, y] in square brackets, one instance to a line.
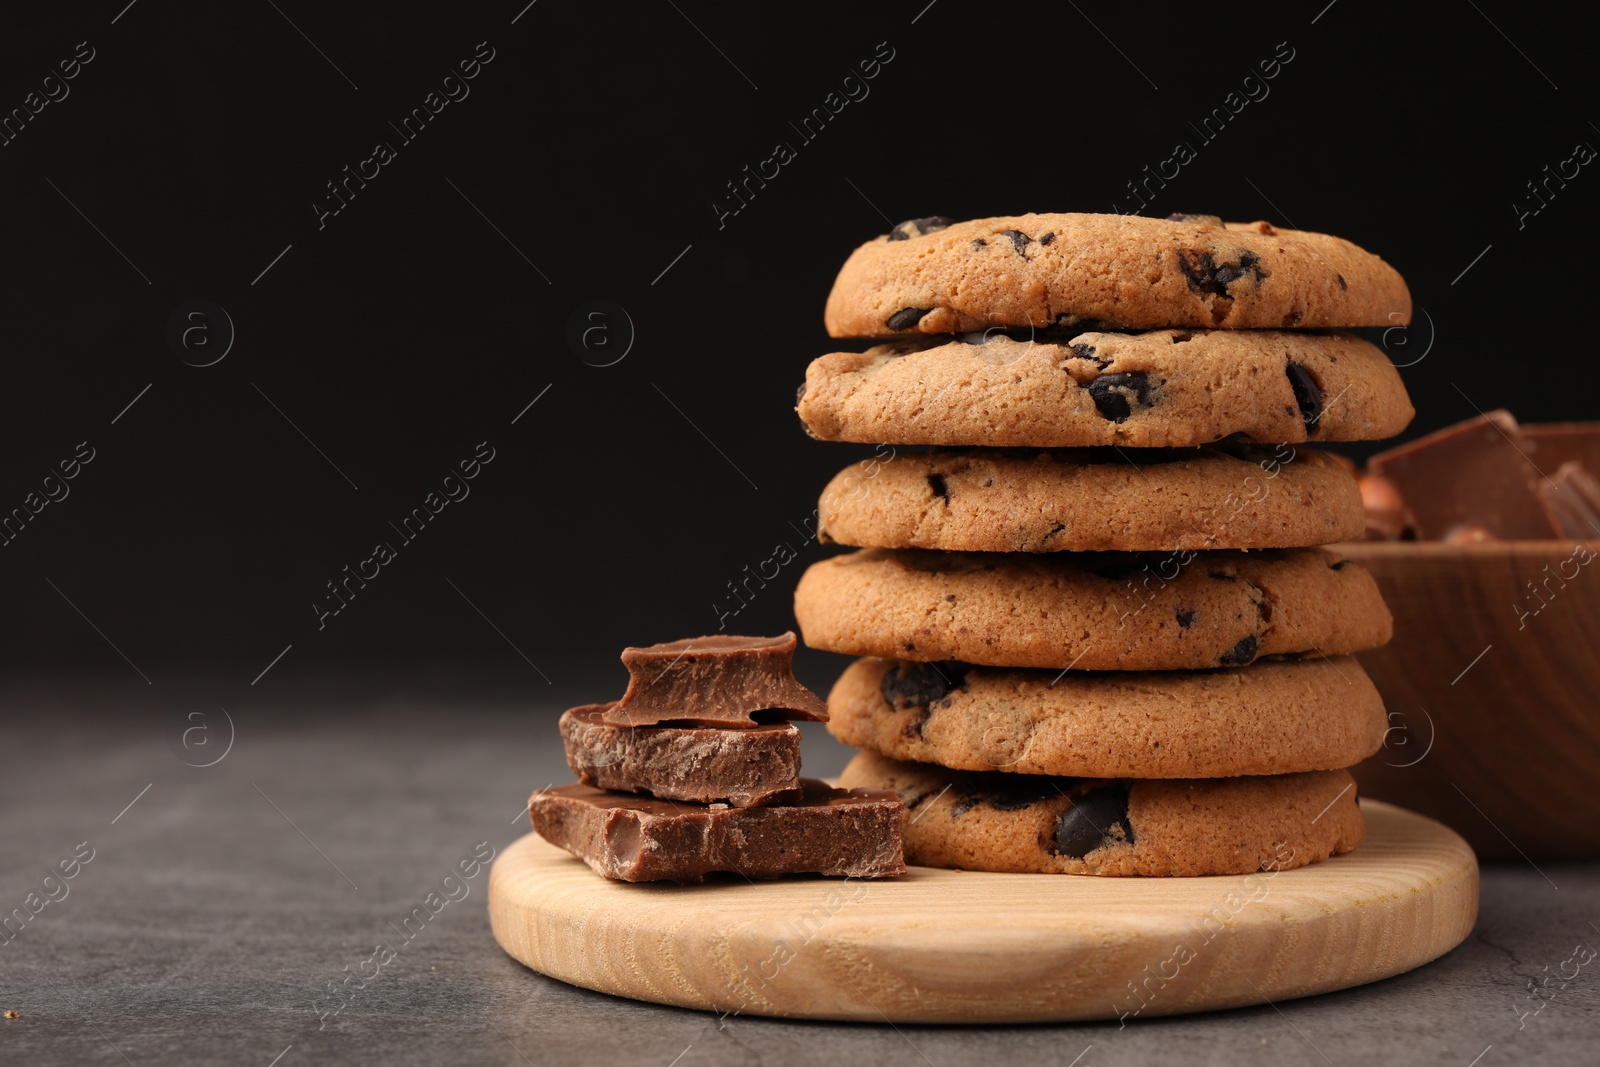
[415, 324]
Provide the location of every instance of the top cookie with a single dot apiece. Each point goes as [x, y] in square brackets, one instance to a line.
[934, 275]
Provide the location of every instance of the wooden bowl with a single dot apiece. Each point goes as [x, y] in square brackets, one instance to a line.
[1492, 685]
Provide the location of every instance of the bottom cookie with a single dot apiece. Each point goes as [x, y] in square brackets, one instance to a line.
[1172, 827]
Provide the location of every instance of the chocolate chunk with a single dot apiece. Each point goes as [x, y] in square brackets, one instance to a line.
[1211, 219]
[1340, 279]
[918, 685]
[1240, 654]
[1307, 394]
[1185, 618]
[1475, 473]
[1571, 498]
[979, 242]
[718, 679]
[1205, 275]
[850, 832]
[937, 486]
[919, 227]
[1002, 792]
[1084, 350]
[1046, 238]
[740, 766]
[1018, 239]
[1094, 819]
[906, 318]
[1116, 395]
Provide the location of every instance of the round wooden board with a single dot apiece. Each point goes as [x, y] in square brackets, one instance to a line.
[942, 946]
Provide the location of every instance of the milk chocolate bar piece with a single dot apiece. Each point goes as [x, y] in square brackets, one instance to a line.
[719, 679]
[743, 766]
[1571, 498]
[1472, 474]
[852, 832]
[1553, 444]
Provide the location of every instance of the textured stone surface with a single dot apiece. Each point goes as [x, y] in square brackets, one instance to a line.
[205, 925]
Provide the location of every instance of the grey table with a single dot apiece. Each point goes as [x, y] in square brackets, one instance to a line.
[218, 903]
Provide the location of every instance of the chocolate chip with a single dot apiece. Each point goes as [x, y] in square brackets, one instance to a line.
[906, 318]
[1307, 394]
[979, 242]
[1055, 528]
[1240, 654]
[937, 486]
[1079, 323]
[1046, 238]
[1339, 565]
[913, 728]
[919, 227]
[1089, 823]
[1179, 217]
[918, 685]
[1185, 618]
[999, 793]
[1085, 351]
[1340, 279]
[1019, 240]
[1116, 395]
[1205, 275]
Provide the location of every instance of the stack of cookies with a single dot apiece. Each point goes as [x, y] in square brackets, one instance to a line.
[1098, 635]
[696, 770]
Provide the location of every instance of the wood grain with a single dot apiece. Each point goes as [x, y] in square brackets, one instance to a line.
[1512, 739]
[966, 947]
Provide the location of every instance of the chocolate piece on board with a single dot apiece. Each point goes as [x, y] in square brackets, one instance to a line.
[1471, 474]
[1571, 498]
[851, 832]
[742, 766]
[720, 679]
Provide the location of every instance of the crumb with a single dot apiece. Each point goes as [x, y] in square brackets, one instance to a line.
[12, 1015]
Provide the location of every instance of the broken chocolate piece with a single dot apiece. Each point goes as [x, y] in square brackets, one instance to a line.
[906, 318]
[742, 766]
[1385, 511]
[1094, 819]
[919, 227]
[1571, 497]
[1116, 395]
[1550, 444]
[850, 832]
[1474, 473]
[718, 679]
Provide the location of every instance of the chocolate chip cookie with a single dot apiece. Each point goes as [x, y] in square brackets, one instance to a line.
[1277, 717]
[1159, 389]
[935, 275]
[1116, 826]
[1091, 611]
[1118, 499]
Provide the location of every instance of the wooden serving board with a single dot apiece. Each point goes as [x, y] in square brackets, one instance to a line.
[942, 946]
